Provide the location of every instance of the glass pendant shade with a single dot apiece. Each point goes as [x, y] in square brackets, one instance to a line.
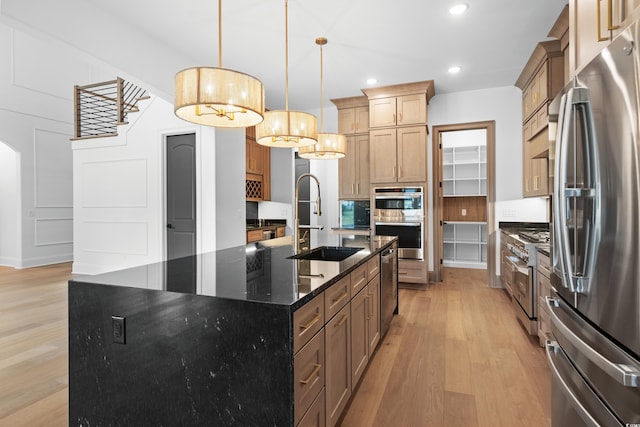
[329, 146]
[287, 129]
[218, 97]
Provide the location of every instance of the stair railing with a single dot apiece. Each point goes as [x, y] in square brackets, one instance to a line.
[101, 107]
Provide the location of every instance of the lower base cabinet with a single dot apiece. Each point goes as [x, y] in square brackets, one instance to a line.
[330, 358]
[338, 360]
[315, 415]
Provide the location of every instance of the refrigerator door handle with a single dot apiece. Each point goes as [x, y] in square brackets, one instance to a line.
[551, 348]
[559, 225]
[623, 374]
[577, 276]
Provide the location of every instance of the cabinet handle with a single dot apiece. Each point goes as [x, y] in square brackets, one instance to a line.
[371, 312]
[394, 172]
[399, 171]
[599, 17]
[312, 322]
[394, 117]
[357, 188]
[315, 371]
[340, 298]
[610, 25]
[400, 118]
[341, 322]
[352, 189]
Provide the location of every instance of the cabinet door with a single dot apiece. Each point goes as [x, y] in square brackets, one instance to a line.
[362, 119]
[359, 339]
[362, 167]
[338, 361]
[382, 149]
[255, 157]
[382, 112]
[527, 172]
[347, 121]
[373, 315]
[590, 35]
[347, 169]
[412, 109]
[412, 154]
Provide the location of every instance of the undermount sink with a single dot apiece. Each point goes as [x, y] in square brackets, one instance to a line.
[327, 253]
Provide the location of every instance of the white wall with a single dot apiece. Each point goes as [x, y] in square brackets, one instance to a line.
[119, 191]
[36, 115]
[9, 205]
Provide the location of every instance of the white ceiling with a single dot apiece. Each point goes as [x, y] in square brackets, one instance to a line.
[396, 41]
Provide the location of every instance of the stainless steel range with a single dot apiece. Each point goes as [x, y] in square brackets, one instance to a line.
[518, 272]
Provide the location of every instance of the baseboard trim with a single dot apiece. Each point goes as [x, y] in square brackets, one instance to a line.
[40, 261]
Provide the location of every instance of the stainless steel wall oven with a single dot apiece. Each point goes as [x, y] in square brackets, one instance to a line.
[399, 211]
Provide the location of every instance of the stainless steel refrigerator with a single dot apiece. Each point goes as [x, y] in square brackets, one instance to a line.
[594, 353]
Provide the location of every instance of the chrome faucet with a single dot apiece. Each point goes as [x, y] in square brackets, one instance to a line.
[296, 227]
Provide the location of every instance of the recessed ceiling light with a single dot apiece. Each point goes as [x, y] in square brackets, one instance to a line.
[455, 69]
[458, 8]
[372, 81]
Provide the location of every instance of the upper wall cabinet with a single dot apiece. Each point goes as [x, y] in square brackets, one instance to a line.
[353, 120]
[594, 24]
[399, 105]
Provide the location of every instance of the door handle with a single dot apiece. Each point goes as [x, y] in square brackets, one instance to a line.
[170, 226]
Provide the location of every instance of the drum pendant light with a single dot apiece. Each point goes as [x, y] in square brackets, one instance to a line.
[330, 145]
[284, 128]
[216, 96]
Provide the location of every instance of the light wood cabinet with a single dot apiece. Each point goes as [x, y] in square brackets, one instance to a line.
[398, 155]
[359, 338]
[337, 296]
[541, 79]
[398, 111]
[594, 24]
[258, 168]
[316, 413]
[308, 374]
[543, 280]
[338, 361]
[365, 320]
[353, 169]
[373, 314]
[353, 120]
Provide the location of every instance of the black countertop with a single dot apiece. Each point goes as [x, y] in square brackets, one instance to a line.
[257, 272]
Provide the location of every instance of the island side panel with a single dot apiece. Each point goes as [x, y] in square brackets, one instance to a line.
[188, 360]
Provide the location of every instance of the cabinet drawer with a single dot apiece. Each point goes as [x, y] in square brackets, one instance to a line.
[544, 265]
[308, 374]
[359, 278]
[336, 297]
[280, 231]
[410, 271]
[254, 236]
[315, 415]
[307, 320]
[373, 267]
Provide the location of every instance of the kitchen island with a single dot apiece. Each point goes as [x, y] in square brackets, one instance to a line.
[203, 340]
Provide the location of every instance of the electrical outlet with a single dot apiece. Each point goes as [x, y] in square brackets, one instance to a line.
[464, 212]
[118, 330]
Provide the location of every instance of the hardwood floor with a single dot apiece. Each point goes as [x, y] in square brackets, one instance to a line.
[33, 346]
[455, 356]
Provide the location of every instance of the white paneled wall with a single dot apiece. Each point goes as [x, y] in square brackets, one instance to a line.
[9, 205]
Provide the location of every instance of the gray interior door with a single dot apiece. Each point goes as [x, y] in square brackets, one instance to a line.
[181, 195]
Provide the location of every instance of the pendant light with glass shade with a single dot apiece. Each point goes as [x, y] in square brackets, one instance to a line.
[284, 128]
[219, 97]
[330, 145]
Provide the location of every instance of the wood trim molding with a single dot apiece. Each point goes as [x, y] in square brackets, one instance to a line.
[542, 51]
[350, 102]
[426, 86]
[438, 202]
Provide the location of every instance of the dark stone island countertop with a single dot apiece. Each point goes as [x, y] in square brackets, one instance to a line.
[258, 272]
[205, 340]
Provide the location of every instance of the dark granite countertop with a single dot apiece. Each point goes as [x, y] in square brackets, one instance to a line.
[265, 224]
[257, 272]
